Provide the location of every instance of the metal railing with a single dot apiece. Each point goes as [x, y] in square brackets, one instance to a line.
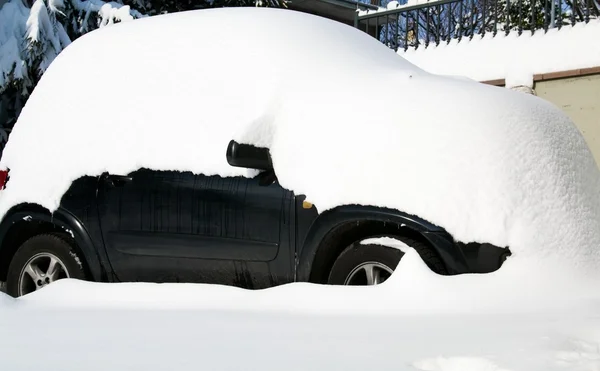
[444, 20]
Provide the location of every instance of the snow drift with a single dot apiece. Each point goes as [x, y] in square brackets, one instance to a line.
[164, 327]
[513, 56]
[487, 164]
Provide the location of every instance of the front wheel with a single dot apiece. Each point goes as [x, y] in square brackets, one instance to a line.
[372, 264]
[360, 265]
[40, 261]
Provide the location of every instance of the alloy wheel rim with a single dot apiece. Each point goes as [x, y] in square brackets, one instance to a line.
[368, 273]
[41, 270]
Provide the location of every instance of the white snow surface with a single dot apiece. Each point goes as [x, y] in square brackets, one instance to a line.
[457, 364]
[485, 163]
[403, 325]
[386, 241]
[392, 4]
[395, 4]
[512, 56]
[517, 76]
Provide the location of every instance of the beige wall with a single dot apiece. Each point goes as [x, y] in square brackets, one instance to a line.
[579, 97]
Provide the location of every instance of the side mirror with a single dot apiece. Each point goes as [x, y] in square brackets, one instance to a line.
[248, 156]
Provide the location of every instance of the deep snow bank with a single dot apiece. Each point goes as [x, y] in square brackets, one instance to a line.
[487, 164]
[412, 290]
[416, 320]
[146, 337]
[511, 56]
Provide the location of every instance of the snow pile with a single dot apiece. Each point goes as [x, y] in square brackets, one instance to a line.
[416, 320]
[108, 12]
[512, 56]
[487, 164]
[518, 76]
[392, 5]
[412, 290]
[395, 5]
[386, 241]
[170, 326]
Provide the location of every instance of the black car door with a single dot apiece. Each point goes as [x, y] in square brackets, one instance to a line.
[170, 226]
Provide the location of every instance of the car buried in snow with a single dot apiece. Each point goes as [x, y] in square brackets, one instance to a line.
[209, 172]
[171, 226]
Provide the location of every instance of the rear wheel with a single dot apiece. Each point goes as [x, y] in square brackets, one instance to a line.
[372, 264]
[40, 261]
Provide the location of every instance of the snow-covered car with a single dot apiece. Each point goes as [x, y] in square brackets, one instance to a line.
[171, 226]
[281, 148]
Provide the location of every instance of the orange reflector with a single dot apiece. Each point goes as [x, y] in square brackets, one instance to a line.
[307, 205]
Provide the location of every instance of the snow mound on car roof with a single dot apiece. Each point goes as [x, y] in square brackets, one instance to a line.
[346, 119]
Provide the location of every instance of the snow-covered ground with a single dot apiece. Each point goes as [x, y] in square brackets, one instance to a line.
[149, 340]
[465, 323]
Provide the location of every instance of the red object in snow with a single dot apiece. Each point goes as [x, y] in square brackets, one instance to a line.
[3, 178]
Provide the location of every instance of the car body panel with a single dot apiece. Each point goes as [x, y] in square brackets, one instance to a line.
[79, 207]
[154, 226]
[78, 226]
[169, 226]
[441, 241]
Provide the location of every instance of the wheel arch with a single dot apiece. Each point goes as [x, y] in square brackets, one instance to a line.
[339, 227]
[26, 220]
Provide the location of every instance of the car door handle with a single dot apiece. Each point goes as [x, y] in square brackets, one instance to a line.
[119, 180]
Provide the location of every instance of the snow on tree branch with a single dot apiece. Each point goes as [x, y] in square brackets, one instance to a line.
[12, 31]
[107, 12]
[31, 37]
[45, 36]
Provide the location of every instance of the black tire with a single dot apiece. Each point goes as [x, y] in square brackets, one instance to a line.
[44, 243]
[358, 254]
